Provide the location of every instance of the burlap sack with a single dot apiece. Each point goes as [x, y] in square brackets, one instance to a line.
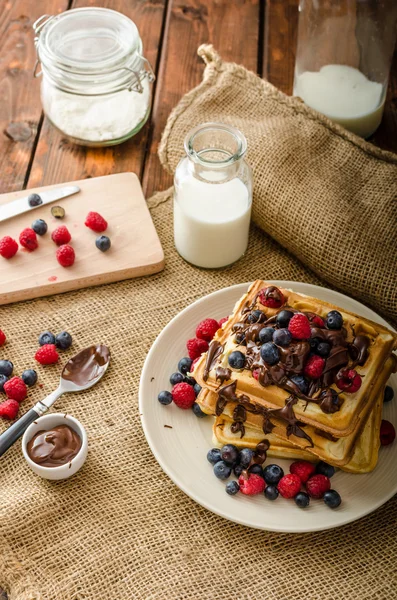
[324, 194]
[120, 529]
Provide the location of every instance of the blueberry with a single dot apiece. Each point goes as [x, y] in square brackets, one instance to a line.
[256, 316]
[272, 474]
[58, 212]
[232, 487]
[230, 454]
[214, 455]
[325, 469]
[236, 360]
[314, 342]
[246, 455]
[6, 368]
[34, 200]
[332, 499]
[301, 382]
[389, 394]
[39, 226]
[282, 337]
[270, 353]
[63, 340]
[189, 380]
[334, 320]
[266, 334]
[3, 379]
[302, 500]
[323, 349]
[240, 338]
[257, 469]
[184, 365]
[29, 377]
[284, 317]
[103, 243]
[46, 338]
[176, 378]
[197, 411]
[222, 470]
[197, 388]
[238, 469]
[165, 398]
[271, 492]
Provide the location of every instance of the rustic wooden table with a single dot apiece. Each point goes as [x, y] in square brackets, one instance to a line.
[260, 34]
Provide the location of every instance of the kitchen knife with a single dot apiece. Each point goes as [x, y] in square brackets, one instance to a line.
[27, 203]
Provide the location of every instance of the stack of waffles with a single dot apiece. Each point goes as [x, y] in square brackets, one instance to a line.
[330, 413]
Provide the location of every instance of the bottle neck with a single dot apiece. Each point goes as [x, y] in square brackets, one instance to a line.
[215, 172]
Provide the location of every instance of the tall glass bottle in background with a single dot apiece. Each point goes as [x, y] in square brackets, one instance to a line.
[343, 59]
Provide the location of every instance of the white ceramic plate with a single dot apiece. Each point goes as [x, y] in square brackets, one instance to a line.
[181, 450]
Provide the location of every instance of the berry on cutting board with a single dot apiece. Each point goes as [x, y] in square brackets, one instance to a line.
[103, 243]
[34, 200]
[61, 235]
[40, 226]
[28, 239]
[65, 255]
[96, 222]
[8, 247]
[47, 355]
[58, 212]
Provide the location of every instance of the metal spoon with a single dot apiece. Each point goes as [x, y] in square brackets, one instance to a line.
[81, 372]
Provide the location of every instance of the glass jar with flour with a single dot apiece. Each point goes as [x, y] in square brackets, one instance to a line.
[213, 196]
[96, 83]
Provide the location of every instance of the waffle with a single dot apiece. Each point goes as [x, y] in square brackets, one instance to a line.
[346, 416]
[335, 451]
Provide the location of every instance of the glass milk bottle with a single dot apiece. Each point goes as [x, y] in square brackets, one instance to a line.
[213, 197]
[343, 59]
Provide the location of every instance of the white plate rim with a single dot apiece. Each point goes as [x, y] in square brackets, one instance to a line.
[173, 475]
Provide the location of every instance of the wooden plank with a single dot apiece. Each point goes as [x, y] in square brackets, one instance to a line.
[57, 160]
[386, 135]
[232, 27]
[119, 199]
[20, 108]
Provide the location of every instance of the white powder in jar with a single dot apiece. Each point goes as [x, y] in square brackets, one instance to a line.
[95, 118]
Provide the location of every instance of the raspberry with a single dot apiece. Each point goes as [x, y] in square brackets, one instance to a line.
[207, 329]
[299, 327]
[318, 485]
[15, 389]
[194, 364]
[196, 347]
[9, 409]
[387, 433]
[95, 222]
[65, 255]
[2, 337]
[271, 297]
[183, 395]
[289, 485]
[303, 469]
[61, 235]
[222, 321]
[348, 380]
[47, 355]
[8, 247]
[254, 484]
[314, 367]
[255, 374]
[28, 239]
[316, 320]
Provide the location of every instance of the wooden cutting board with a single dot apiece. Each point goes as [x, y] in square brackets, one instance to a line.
[135, 249]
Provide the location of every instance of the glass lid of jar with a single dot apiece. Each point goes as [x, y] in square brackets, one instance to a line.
[89, 39]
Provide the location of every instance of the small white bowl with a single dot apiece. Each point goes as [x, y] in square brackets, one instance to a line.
[44, 424]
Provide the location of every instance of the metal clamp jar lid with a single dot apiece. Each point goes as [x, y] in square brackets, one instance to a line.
[95, 80]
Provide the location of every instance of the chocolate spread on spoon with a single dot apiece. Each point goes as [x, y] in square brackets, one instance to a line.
[87, 365]
[54, 447]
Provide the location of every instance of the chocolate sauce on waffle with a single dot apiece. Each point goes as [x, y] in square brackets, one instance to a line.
[213, 353]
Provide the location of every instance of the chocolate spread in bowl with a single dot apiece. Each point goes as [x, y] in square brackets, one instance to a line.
[54, 447]
[87, 365]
